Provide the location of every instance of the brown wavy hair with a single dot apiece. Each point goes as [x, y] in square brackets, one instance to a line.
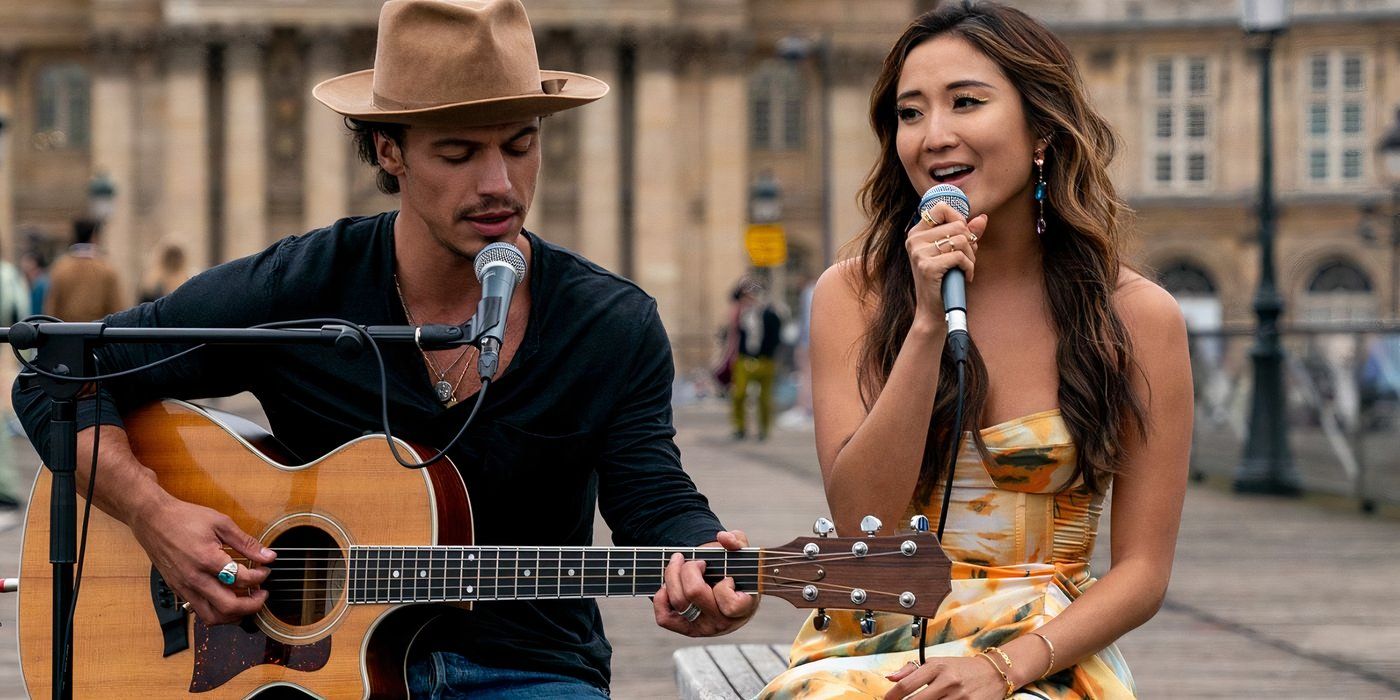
[1084, 219]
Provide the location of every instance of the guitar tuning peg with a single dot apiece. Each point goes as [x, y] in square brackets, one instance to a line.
[867, 624]
[916, 628]
[821, 620]
[919, 523]
[823, 527]
[870, 525]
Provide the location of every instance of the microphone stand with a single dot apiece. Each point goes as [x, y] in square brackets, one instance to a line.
[66, 351]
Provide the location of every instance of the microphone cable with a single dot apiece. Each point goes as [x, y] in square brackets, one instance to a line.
[960, 351]
[961, 369]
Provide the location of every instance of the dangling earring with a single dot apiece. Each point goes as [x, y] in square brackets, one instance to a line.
[1040, 190]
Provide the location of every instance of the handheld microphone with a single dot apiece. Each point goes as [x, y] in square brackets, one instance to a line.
[499, 267]
[954, 285]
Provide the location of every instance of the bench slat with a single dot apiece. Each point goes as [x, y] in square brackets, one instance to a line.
[699, 678]
[767, 659]
[737, 669]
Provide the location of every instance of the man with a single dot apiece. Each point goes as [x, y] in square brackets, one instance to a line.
[758, 331]
[83, 286]
[579, 413]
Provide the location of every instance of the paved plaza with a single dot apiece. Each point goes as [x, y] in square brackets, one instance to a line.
[1269, 597]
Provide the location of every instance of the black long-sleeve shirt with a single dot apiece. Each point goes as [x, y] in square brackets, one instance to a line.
[581, 416]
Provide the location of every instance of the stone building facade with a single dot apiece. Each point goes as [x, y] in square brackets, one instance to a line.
[199, 113]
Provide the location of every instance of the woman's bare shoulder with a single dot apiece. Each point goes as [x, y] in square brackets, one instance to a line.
[1149, 311]
[842, 281]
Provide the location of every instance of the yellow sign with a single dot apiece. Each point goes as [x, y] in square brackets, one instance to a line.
[767, 244]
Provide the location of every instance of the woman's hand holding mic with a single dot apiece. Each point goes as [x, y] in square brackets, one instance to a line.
[942, 240]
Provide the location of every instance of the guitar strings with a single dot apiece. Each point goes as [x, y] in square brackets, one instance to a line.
[778, 582]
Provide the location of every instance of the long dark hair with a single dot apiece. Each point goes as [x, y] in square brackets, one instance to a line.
[1081, 244]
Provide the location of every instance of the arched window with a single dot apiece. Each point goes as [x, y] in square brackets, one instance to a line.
[62, 107]
[1184, 278]
[1195, 293]
[1339, 290]
[1339, 277]
[776, 107]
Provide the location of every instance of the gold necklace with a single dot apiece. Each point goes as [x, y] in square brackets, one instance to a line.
[446, 391]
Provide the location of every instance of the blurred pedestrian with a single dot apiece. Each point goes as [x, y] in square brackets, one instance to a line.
[758, 333]
[800, 415]
[168, 272]
[14, 305]
[728, 336]
[83, 286]
[35, 266]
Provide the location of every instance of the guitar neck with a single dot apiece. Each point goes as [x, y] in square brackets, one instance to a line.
[386, 574]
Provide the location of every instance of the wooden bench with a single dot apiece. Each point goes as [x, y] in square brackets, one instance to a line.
[727, 671]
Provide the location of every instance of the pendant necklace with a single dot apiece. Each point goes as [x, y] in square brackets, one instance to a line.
[446, 391]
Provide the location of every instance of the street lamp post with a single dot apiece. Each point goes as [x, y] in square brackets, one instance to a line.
[1268, 463]
[797, 48]
[766, 208]
[1390, 156]
[102, 197]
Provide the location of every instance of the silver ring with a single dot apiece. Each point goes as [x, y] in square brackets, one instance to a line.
[691, 613]
[186, 607]
[229, 573]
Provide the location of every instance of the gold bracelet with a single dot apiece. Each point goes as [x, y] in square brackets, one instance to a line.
[1010, 688]
[1003, 656]
[1051, 666]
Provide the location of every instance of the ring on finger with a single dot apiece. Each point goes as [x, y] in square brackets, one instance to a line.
[229, 573]
[939, 243]
[927, 216]
[691, 613]
[972, 236]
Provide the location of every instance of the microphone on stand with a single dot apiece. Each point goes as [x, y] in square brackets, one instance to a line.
[954, 284]
[499, 267]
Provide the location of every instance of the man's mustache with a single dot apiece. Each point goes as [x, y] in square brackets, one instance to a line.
[491, 205]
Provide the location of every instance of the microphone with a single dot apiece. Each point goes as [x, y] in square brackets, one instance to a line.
[954, 285]
[499, 267]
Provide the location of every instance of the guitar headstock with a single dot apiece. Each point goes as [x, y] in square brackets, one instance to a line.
[905, 574]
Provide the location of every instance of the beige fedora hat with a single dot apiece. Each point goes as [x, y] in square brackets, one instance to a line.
[455, 63]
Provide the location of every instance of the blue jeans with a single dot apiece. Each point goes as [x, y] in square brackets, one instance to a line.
[446, 676]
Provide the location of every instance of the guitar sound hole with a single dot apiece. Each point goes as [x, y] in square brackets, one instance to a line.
[308, 577]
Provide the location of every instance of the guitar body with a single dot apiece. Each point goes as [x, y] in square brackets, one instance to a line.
[310, 638]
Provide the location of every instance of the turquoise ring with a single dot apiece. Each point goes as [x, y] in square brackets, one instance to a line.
[229, 573]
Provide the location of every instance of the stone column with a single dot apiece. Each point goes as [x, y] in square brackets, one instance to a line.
[245, 148]
[726, 122]
[658, 218]
[599, 169]
[114, 140]
[854, 146]
[9, 69]
[185, 201]
[326, 172]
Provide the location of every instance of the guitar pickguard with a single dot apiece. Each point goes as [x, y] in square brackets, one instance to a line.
[224, 651]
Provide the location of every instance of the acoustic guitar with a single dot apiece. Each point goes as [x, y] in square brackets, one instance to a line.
[362, 543]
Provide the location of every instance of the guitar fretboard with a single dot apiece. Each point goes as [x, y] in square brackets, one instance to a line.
[382, 574]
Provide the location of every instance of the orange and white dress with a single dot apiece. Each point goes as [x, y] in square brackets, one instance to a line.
[1020, 546]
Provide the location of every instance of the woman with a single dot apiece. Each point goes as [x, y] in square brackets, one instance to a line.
[1078, 379]
[168, 273]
